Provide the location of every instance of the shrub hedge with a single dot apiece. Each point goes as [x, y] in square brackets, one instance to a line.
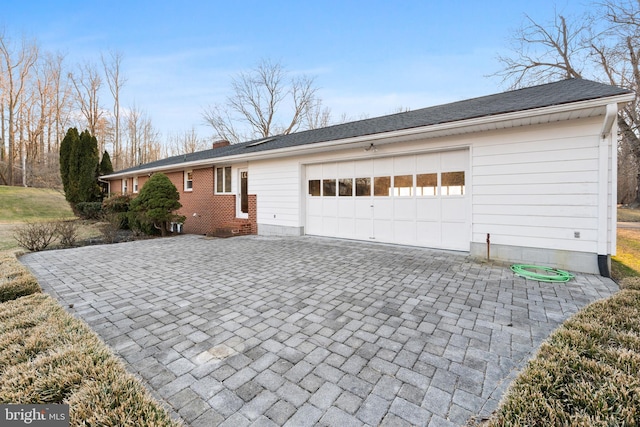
[47, 356]
[15, 279]
[586, 374]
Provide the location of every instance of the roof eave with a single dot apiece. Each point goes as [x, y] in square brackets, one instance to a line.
[424, 131]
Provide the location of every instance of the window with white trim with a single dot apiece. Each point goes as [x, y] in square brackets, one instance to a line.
[188, 180]
[124, 185]
[135, 184]
[223, 179]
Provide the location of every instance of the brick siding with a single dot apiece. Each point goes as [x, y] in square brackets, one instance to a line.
[215, 214]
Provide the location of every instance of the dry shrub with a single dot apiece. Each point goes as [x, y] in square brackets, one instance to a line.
[111, 226]
[586, 374]
[67, 232]
[35, 236]
[47, 356]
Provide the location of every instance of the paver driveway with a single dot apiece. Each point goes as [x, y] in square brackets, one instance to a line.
[310, 331]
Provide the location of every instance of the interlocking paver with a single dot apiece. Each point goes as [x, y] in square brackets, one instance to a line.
[300, 331]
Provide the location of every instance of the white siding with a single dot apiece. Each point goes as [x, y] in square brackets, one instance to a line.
[530, 187]
[277, 186]
[536, 187]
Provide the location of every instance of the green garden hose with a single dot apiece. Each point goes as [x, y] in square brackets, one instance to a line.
[548, 274]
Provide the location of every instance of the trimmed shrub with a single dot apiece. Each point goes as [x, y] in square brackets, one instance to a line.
[89, 210]
[115, 208]
[47, 356]
[586, 373]
[156, 204]
[20, 286]
[631, 283]
[35, 236]
[15, 280]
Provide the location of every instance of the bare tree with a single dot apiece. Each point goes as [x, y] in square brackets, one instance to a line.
[317, 116]
[115, 80]
[16, 66]
[544, 53]
[186, 142]
[143, 140]
[264, 102]
[602, 47]
[87, 83]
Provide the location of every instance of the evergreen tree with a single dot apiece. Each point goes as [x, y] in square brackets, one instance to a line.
[79, 167]
[69, 141]
[105, 164]
[156, 203]
[105, 169]
[88, 165]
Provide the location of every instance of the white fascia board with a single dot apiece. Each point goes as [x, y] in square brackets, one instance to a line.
[423, 131]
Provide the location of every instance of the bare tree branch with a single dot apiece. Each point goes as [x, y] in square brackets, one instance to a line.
[265, 102]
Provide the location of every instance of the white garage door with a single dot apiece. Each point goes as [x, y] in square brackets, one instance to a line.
[418, 200]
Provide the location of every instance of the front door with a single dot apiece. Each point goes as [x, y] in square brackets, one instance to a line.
[243, 196]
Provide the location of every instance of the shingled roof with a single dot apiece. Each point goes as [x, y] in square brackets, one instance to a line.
[547, 95]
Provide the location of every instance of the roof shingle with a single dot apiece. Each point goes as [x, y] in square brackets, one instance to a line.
[547, 95]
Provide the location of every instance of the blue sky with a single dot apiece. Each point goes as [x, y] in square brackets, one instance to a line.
[368, 57]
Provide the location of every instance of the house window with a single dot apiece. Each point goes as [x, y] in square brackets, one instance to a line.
[452, 183]
[188, 180]
[427, 184]
[124, 186]
[403, 185]
[314, 187]
[135, 184]
[223, 180]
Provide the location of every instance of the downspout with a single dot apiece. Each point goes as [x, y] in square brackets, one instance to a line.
[606, 203]
[108, 184]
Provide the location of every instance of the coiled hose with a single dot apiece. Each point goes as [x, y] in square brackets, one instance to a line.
[548, 274]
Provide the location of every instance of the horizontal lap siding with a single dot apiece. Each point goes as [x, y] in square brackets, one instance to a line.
[276, 183]
[536, 187]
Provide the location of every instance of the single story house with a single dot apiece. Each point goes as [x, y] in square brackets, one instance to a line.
[531, 170]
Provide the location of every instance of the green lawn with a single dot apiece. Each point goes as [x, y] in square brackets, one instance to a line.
[586, 374]
[46, 355]
[19, 204]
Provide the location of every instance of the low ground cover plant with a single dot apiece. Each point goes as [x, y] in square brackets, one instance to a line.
[47, 356]
[586, 374]
[15, 280]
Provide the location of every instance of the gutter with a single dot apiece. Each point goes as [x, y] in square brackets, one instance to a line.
[606, 209]
[460, 124]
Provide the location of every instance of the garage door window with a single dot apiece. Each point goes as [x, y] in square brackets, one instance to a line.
[345, 187]
[382, 186]
[363, 187]
[452, 183]
[314, 187]
[427, 184]
[328, 187]
[403, 185]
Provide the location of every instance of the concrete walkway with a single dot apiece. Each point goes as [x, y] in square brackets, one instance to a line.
[308, 331]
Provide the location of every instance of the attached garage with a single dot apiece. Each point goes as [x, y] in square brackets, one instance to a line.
[418, 200]
[533, 168]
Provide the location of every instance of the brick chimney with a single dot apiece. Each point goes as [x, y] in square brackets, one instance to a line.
[220, 143]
